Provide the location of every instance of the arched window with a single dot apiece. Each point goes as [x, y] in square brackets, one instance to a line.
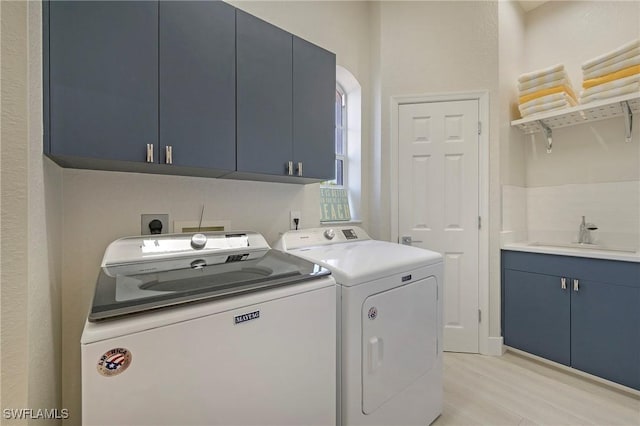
[340, 197]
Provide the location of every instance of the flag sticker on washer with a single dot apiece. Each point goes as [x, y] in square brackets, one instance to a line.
[114, 362]
[373, 313]
[246, 317]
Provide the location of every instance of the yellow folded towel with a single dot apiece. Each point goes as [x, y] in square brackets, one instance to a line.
[547, 103]
[544, 92]
[618, 91]
[610, 77]
[560, 82]
[616, 59]
[612, 68]
[545, 79]
[620, 82]
[612, 54]
[540, 73]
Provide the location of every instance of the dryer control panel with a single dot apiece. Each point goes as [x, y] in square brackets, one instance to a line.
[320, 236]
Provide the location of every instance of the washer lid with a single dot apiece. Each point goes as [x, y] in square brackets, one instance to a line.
[134, 280]
[362, 261]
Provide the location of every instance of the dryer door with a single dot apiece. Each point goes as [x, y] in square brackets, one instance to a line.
[399, 340]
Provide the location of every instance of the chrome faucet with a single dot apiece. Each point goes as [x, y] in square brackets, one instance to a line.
[584, 236]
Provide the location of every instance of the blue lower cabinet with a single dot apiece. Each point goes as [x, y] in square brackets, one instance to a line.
[537, 314]
[584, 313]
[605, 331]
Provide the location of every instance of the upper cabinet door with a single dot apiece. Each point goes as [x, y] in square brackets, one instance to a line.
[264, 96]
[314, 88]
[197, 84]
[103, 79]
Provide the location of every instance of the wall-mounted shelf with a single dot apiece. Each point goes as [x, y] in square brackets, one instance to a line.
[625, 105]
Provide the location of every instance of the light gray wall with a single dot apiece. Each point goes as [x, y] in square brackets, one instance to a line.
[31, 223]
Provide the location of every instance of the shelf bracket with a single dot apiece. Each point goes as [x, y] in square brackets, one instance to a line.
[628, 120]
[548, 134]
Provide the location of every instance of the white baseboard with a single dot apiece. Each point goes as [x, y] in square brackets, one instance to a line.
[495, 346]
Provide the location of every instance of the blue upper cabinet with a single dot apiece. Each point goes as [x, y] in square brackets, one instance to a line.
[264, 101]
[285, 104]
[197, 85]
[103, 80]
[184, 87]
[314, 86]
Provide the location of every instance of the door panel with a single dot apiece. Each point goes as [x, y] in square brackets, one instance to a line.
[103, 79]
[439, 203]
[605, 331]
[264, 96]
[399, 340]
[197, 84]
[537, 312]
[314, 88]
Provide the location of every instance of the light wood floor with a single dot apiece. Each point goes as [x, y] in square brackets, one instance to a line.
[514, 390]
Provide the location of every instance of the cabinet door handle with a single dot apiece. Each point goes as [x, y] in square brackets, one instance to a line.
[299, 168]
[290, 168]
[563, 283]
[149, 153]
[168, 154]
[576, 285]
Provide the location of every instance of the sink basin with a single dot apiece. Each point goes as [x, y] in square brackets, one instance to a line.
[580, 246]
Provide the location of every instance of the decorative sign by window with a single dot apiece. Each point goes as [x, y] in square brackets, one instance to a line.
[334, 205]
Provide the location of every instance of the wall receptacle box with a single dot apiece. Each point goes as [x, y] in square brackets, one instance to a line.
[149, 227]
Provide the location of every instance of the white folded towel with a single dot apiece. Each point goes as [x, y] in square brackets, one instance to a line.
[540, 73]
[547, 78]
[619, 58]
[561, 82]
[612, 68]
[621, 82]
[612, 54]
[553, 106]
[611, 93]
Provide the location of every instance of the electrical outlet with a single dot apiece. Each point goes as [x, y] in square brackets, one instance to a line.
[146, 219]
[295, 214]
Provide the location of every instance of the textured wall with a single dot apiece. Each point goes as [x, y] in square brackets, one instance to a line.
[30, 222]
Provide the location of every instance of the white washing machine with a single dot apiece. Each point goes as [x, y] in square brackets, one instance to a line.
[210, 329]
[389, 324]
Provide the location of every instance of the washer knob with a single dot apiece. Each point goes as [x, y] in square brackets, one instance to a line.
[198, 241]
[329, 234]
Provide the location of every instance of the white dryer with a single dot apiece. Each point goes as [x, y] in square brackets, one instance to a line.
[209, 329]
[389, 324]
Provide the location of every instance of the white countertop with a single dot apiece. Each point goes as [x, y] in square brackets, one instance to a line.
[593, 253]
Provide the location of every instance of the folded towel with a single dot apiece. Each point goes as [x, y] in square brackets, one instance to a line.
[611, 85]
[540, 73]
[559, 82]
[612, 68]
[610, 77]
[547, 78]
[544, 92]
[619, 58]
[605, 57]
[619, 91]
[562, 103]
[562, 96]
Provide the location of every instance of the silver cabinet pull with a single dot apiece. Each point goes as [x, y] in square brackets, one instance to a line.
[149, 153]
[576, 285]
[168, 154]
[563, 283]
[299, 168]
[290, 168]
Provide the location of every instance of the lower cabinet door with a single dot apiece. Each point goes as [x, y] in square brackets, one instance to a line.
[537, 315]
[605, 331]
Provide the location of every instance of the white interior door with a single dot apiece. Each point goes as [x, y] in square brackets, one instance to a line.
[438, 201]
